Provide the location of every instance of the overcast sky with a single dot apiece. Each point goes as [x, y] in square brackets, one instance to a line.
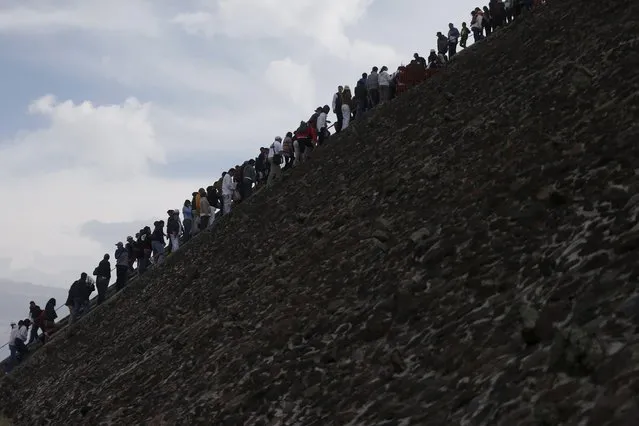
[114, 111]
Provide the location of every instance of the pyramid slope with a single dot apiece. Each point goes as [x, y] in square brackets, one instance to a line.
[466, 255]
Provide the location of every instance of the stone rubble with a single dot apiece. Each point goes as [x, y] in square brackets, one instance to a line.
[466, 255]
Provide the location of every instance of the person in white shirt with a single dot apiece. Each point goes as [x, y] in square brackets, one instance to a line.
[21, 337]
[228, 188]
[275, 158]
[384, 85]
[322, 124]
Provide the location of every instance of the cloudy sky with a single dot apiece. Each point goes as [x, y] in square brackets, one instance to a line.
[114, 111]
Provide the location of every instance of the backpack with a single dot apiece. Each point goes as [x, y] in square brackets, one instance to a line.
[277, 158]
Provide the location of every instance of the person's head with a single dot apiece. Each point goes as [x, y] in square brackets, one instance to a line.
[232, 171]
[106, 257]
[51, 302]
[318, 109]
[147, 229]
[129, 239]
[375, 69]
[202, 192]
[26, 322]
[339, 89]
[187, 203]
[119, 244]
[278, 139]
[486, 9]
[20, 323]
[384, 68]
[364, 75]
[290, 134]
[32, 303]
[432, 51]
[326, 109]
[416, 56]
[251, 162]
[473, 13]
[83, 276]
[463, 24]
[451, 26]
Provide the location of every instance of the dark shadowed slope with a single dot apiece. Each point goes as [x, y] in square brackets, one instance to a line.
[396, 279]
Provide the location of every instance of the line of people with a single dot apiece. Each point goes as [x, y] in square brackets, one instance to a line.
[150, 247]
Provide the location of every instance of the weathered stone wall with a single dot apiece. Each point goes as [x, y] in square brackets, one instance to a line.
[466, 256]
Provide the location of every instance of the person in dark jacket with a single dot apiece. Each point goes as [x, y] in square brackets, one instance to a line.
[50, 315]
[121, 266]
[34, 314]
[442, 44]
[158, 242]
[102, 277]
[173, 230]
[147, 249]
[361, 93]
[76, 297]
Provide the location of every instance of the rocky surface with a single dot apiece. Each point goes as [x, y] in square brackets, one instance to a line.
[468, 255]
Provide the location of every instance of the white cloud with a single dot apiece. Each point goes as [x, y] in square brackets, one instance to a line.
[293, 81]
[33, 16]
[88, 163]
[188, 88]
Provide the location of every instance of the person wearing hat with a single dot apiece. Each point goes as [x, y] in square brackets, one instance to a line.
[121, 266]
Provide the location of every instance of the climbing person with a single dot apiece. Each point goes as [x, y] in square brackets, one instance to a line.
[249, 176]
[158, 242]
[12, 347]
[442, 44]
[434, 60]
[131, 252]
[304, 141]
[20, 340]
[419, 60]
[275, 156]
[187, 222]
[102, 274]
[205, 210]
[337, 109]
[347, 98]
[322, 125]
[384, 80]
[121, 266]
[287, 147]
[487, 21]
[228, 188]
[465, 32]
[372, 87]
[498, 13]
[147, 249]
[173, 230]
[76, 297]
[34, 314]
[453, 37]
[361, 93]
[50, 316]
[477, 25]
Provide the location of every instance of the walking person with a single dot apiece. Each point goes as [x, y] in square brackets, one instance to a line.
[102, 277]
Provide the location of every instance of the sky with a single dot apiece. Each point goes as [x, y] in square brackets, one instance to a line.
[115, 111]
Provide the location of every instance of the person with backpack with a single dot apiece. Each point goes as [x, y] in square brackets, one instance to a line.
[158, 242]
[102, 274]
[173, 231]
[34, 313]
[304, 142]
[322, 125]
[312, 124]
[49, 316]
